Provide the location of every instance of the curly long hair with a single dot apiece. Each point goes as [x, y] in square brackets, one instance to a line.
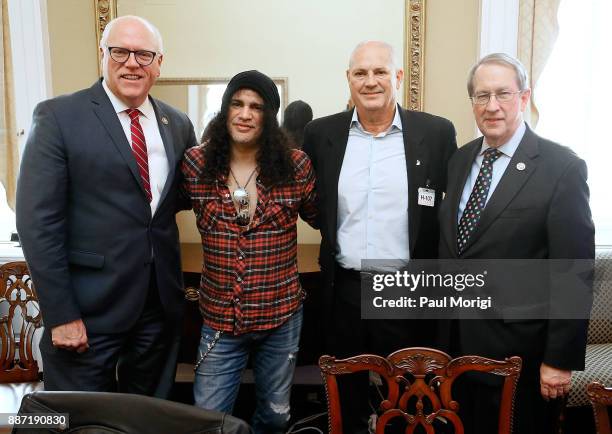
[273, 157]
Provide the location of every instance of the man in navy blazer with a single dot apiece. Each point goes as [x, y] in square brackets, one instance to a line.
[534, 206]
[96, 203]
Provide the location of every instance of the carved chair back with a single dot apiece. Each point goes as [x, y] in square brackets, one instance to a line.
[19, 318]
[601, 398]
[419, 387]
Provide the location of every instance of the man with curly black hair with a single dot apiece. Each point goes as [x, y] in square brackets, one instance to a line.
[247, 188]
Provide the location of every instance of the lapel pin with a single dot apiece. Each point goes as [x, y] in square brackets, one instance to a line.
[418, 162]
[164, 120]
[520, 166]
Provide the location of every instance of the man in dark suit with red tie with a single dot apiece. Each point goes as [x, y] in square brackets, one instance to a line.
[96, 203]
[513, 195]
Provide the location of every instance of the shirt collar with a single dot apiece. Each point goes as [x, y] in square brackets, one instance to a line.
[508, 148]
[397, 121]
[146, 108]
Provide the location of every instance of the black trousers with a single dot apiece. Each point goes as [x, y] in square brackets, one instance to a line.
[350, 335]
[133, 361]
[479, 397]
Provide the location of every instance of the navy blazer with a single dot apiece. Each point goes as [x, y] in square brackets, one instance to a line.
[84, 220]
[539, 212]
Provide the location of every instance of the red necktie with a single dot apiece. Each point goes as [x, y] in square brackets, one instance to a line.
[139, 148]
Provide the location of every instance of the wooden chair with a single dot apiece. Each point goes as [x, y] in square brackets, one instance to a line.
[419, 387]
[19, 319]
[18, 322]
[600, 398]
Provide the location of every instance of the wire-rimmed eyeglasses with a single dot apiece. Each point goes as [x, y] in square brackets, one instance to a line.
[121, 55]
[484, 98]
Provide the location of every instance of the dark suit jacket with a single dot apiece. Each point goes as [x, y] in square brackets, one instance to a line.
[84, 220]
[541, 212]
[428, 139]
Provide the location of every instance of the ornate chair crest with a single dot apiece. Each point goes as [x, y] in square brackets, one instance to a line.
[419, 384]
[601, 398]
[19, 318]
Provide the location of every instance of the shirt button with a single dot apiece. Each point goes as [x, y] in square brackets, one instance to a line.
[239, 258]
[239, 279]
[227, 195]
[237, 300]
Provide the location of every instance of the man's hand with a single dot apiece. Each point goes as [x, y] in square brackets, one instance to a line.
[554, 383]
[71, 336]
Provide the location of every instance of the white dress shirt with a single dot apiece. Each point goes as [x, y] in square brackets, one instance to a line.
[156, 153]
[373, 196]
[499, 167]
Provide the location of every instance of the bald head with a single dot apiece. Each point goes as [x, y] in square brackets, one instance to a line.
[132, 20]
[132, 70]
[374, 79]
[374, 45]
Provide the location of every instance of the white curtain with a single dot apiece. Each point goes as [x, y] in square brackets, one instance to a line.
[537, 33]
[9, 153]
[574, 97]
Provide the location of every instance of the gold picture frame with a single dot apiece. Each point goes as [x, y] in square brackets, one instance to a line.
[106, 10]
[414, 54]
[414, 45]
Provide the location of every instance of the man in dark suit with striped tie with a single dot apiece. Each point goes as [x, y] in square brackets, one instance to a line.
[96, 202]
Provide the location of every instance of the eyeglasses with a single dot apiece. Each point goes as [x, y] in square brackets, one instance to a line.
[484, 98]
[121, 55]
[241, 197]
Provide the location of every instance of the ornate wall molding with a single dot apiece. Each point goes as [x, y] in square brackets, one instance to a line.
[414, 46]
[414, 54]
[106, 10]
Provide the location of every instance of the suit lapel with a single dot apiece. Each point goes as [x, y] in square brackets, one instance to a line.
[164, 125]
[337, 140]
[464, 166]
[510, 184]
[105, 111]
[416, 157]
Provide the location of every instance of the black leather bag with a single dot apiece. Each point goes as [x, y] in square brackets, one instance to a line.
[122, 413]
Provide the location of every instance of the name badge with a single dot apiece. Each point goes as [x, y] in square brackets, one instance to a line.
[427, 196]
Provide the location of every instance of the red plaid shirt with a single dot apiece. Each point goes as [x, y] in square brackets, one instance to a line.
[249, 278]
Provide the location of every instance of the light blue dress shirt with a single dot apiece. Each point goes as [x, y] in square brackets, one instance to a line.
[499, 167]
[373, 196]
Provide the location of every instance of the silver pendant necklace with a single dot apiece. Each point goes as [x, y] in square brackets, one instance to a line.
[241, 198]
